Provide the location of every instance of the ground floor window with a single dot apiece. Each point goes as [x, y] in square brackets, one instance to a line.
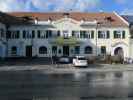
[43, 50]
[14, 50]
[103, 50]
[54, 50]
[88, 50]
[77, 50]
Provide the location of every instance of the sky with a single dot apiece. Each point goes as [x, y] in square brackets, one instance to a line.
[119, 6]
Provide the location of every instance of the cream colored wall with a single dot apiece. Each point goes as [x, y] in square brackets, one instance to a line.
[69, 24]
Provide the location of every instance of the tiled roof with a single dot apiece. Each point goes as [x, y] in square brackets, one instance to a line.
[106, 19]
[10, 20]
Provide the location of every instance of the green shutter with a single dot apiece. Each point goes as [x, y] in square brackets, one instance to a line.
[92, 34]
[108, 34]
[123, 34]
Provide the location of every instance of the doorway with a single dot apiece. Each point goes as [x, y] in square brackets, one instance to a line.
[65, 50]
[119, 51]
[28, 51]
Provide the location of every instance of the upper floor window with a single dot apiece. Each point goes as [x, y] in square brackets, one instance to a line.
[58, 33]
[28, 34]
[1, 32]
[87, 34]
[103, 34]
[8, 34]
[13, 34]
[65, 34]
[48, 34]
[75, 34]
[33, 33]
[90, 34]
[119, 34]
[83, 34]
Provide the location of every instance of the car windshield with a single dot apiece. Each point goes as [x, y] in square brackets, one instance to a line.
[81, 59]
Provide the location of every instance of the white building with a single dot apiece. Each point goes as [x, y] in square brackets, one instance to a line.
[63, 34]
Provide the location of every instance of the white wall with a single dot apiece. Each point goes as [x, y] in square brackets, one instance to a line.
[110, 44]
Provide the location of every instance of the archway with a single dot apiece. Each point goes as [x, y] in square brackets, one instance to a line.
[119, 51]
[88, 50]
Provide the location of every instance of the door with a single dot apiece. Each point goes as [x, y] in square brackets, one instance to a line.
[28, 51]
[65, 50]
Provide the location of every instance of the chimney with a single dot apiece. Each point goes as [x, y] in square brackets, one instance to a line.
[36, 20]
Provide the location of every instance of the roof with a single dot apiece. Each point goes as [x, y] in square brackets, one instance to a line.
[106, 19]
[128, 18]
[10, 20]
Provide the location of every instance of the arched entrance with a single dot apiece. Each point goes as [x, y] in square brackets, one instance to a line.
[119, 52]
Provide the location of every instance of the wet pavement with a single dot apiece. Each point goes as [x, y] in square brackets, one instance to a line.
[38, 85]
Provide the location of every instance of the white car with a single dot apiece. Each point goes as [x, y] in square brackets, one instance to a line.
[80, 61]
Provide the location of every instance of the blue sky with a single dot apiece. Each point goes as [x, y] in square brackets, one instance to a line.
[120, 6]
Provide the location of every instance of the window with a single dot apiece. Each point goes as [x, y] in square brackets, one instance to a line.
[38, 34]
[8, 35]
[2, 32]
[41, 34]
[108, 34]
[43, 50]
[17, 34]
[24, 34]
[13, 34]
[88, 50]
[65, 34]
[103, 34]
[75, 34]
[83, 34]
[33, 34]
[77, 50]
[58, 33]
[123, 34]
[119, 34]
[48, 34]
[54, 50]
[103, 50]
[14, 50]
[92, 34]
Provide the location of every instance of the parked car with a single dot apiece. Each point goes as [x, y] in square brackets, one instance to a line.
[64, 59]
[80, 61]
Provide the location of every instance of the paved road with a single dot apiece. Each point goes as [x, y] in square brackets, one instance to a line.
[44, 82]
[37, 85]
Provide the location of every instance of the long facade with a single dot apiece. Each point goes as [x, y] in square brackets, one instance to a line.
[65, 34]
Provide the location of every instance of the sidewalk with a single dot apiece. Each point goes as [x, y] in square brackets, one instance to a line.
[68, 68]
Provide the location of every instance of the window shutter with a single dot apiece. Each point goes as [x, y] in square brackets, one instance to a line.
[123, 34]
[108, 34]
[92, 34]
